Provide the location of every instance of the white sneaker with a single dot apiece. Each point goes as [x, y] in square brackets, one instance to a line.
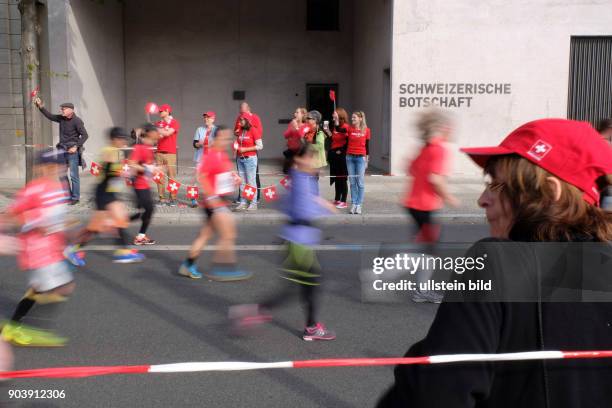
[241, 207]
[353, 208]
[358, 210]
[252, 207]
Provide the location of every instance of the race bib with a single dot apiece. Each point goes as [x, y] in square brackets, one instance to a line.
[224, 183]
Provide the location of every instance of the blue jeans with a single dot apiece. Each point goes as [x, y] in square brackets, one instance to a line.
[247, 170]
[355, 166]
[72, 160]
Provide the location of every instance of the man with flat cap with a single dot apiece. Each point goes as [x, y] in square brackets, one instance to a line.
[72, 137]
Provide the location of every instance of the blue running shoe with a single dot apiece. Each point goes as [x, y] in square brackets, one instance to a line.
[74, 256]
[189, 271]
[127, 256]
[227, 275]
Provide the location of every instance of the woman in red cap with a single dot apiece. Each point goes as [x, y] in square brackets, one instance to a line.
[543, 187]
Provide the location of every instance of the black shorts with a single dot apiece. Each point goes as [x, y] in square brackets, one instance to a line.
[224, 208]
[104, 198]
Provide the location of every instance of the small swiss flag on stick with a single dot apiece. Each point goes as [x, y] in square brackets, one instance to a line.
[94, 169]
[332, 95]
[193, 192]
[286, 182]
[249, 192]
[158, 177]
[173, 186]
[270, 193]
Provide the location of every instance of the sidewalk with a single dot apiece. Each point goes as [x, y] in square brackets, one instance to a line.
[381, 205]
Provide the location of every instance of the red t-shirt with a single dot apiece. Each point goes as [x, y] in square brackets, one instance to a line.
[216, 168]
[168, 144]
[248, 139]
[41, 209]
[254, 120]
[357, 141]
[339, 138]
[142, 154]
[431, 160]
[294, 136]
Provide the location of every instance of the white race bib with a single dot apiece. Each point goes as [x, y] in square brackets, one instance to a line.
[224, 183]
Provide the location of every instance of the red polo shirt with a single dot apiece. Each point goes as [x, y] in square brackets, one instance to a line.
[168, 144]
[357, 141]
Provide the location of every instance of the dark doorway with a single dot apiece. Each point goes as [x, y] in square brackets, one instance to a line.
[317, 98]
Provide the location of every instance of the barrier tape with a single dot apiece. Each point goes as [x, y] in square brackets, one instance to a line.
[92, 371]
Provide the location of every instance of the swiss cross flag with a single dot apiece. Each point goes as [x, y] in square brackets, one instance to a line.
[286, 182]
[270, 193]
[34, 92]
[173, 186]
[249, 192]
[192, 192]
[125, 169]
[94, 169]
[158, 177]
[332, 95]
[539, 150]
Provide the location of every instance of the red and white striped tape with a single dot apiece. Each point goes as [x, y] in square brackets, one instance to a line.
[90, 371]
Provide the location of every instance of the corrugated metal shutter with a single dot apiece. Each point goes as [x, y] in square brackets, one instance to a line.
[590, 79]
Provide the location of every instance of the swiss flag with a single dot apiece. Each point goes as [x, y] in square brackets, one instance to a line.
[332, 95]
[158, 177]
[192, 192]
[94, 169]
[125, 169]
[34, 92]
[270, 193]
[173, 186]
[286, 182]
[249, 192]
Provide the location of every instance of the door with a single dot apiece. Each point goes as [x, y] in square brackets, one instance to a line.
[317, 98]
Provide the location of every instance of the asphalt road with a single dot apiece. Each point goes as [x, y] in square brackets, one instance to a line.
[146, 314]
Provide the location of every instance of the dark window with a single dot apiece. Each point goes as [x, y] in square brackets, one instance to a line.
[323, 15]
[317, 98]
[590, 79]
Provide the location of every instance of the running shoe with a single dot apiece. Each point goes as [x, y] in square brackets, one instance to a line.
[252, 207]
[335, 203]
[189, 271]
[194, 204]
[358, 210]
[162, 203]
[23, 336]
[318, 332]
[426, 297]
[241, 207]
[247, 317]
[128, 256]
[172, 203]
[74, 256]
[144, 241]
[227, 275]
[341, 205]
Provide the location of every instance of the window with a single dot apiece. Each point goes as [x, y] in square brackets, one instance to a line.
[590, 79]
[323, 15]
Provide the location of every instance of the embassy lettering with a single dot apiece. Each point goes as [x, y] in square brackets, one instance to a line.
[447, 95]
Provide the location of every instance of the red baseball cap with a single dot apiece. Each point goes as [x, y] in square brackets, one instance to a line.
[210, 114]
[165, 107]
[571, 150]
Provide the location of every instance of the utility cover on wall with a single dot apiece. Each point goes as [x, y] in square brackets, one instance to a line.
[239, 95]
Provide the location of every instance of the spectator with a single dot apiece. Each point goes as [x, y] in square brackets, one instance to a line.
[295, 132]
[202, 139]
[255, 122]
[166, 151]
[72, 137]
[357, 157]
[247, 144]
[316, 137]
[337, 156]
[534, 194]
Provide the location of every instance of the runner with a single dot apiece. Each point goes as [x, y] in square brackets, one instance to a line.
[301, 267]
[218, 182]
[142, 162]
[40, 211]
[111, 213]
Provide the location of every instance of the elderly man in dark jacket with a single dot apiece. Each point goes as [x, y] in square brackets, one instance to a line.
[72, 137]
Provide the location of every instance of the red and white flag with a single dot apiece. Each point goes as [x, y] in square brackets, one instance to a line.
[249, 192]
[125, 170]
[158, 177]
[173, 186]
[94, 169]
[193, 192]
[286, 182]
[332, 95]
[270, 193]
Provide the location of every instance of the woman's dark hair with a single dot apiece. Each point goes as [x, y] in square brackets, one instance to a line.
[305, 149]
[604, 124]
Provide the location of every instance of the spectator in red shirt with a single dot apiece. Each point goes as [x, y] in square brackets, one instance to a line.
[255, 123]
[142, 163]
[166, 151]
[247, 144]
[429, 188]
[336, 156]
[357, 155]
[295, 132]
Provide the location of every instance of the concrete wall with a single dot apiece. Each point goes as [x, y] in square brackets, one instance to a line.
[371, 56]
[86, 65]
[524, 43]
[11, 102]
[209, 48]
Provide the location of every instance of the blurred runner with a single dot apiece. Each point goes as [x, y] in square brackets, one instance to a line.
[301, 268]
[111, 214]
[218, 182]
[40, 212]
[202, 140]
[429, 191]
[142, 162]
